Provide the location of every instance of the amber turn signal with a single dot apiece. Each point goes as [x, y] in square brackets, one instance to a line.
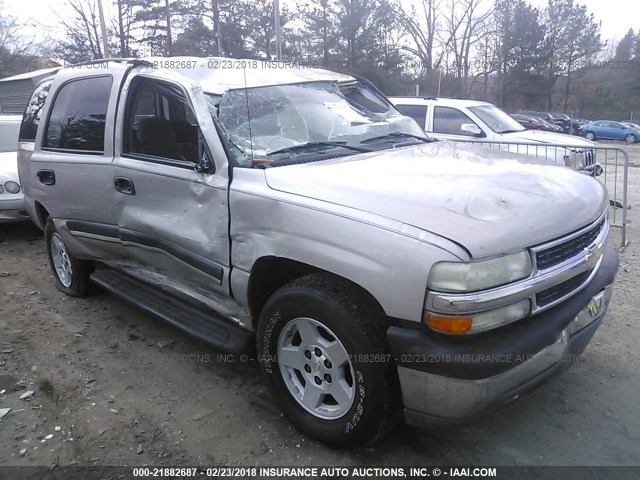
[455, 325]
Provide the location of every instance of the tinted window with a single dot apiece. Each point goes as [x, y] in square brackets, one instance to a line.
[31, 117]
[615, 125]
[78, 115]
[9, 136]
[160, 122]
[417, 112]
[449, 121]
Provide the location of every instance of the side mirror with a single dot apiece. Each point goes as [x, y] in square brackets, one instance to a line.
[471, 129]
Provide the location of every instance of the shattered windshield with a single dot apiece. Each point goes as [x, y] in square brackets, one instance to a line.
[275, 123]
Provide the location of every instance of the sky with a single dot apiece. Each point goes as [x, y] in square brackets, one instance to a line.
[617, 16]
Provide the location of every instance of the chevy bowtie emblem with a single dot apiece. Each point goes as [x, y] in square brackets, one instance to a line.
[592, 256]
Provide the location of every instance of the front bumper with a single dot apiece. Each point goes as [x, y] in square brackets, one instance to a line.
[446, 382]
[12, 209]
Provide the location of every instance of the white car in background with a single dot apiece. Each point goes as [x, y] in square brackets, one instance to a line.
[11, 197]
[472, 120]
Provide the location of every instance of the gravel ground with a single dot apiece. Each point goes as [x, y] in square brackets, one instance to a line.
[113, 386]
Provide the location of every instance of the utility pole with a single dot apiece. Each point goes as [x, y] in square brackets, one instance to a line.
[276, 14]
[103, 31]
[216, 26]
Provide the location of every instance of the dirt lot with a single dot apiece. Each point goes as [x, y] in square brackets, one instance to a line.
[114, 386]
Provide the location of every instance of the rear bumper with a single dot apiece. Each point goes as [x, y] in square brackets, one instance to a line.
[448, 382]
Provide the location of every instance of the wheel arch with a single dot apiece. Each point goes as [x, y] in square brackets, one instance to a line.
[270, 273]
[42, 214]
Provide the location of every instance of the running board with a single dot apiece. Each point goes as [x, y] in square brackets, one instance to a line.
[205, 324]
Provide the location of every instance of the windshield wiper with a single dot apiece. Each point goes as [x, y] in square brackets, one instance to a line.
[511, 131]
[393, 135]
[304, 146]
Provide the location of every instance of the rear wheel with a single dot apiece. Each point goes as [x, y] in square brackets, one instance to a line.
[325, 359]
[590, 136]
[630, 138]
[70, 274]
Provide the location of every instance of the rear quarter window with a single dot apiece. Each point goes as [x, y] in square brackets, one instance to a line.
[417, 112]
[78, 115]
[33, 112]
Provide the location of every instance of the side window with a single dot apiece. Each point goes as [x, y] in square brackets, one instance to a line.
[615, 125]
[78, 115]
[417, 112]
[159, 122]
[33, 112]
[449, 121]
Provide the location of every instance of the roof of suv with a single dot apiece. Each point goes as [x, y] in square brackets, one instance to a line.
[454, 102]
[219, 74]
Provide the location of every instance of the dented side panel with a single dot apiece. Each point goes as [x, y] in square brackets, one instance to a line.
[387, 258]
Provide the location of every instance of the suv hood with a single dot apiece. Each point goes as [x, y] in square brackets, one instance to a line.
[540, 136]
[490, 201]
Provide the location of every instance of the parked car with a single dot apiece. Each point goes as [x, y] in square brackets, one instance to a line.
[560, 119]
[11, 197]
[608, 130]
[550, 127]
[631, 125]
[529, 123]
[464, 120]
[296, 214]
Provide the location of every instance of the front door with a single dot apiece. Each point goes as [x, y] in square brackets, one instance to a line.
[173, 219]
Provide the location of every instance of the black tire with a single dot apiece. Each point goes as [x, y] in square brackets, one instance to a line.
[359, 326]
[79, 285]
[631, 138]
[593, 136]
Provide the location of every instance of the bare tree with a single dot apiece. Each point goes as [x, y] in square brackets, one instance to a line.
[15, 47]
[466, 24]
[82, 32]
[422, 25]
[125, 25]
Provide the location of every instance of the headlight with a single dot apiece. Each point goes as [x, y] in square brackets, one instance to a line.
[12, 187]
[468, 277]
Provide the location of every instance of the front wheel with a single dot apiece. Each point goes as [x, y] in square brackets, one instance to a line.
[630, 138]
[71, 275]
[325, 359]
[590, 136]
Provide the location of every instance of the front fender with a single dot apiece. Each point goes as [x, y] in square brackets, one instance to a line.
[389, 259]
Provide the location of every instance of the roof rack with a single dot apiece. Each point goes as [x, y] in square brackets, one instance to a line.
[132, 61]
[413, 96]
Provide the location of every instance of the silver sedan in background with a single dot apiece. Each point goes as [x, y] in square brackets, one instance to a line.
[11, 197]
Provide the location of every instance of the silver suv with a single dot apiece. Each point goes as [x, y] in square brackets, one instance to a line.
[297, 214]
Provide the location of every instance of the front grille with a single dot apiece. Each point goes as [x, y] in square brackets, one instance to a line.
[564, 251]
[552, 294]
[589, 158]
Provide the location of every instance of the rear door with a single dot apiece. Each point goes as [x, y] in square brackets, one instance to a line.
[70, 172]
[415, 111]
[173, 220]
[617, 131]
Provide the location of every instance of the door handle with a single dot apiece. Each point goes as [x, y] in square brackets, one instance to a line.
[47, 177]
[124, 185]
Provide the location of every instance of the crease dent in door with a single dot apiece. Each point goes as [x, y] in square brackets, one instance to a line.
[181, 221]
